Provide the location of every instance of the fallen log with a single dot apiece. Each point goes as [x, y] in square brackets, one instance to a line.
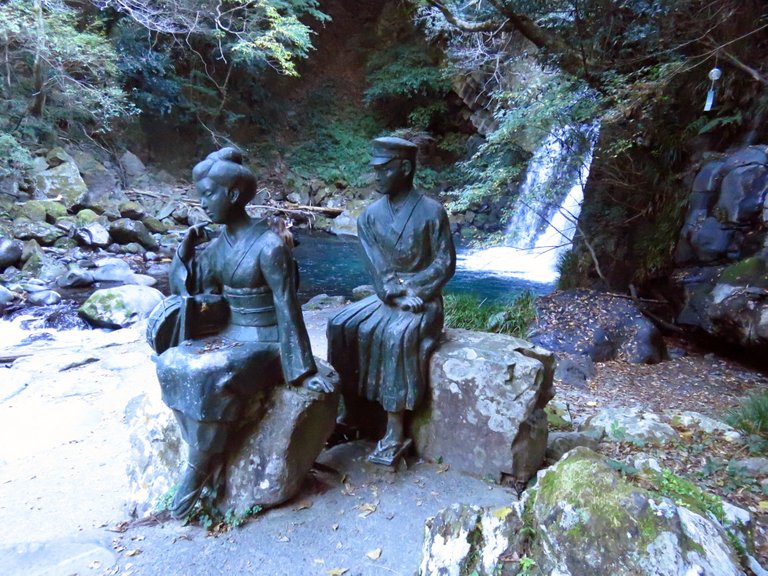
[288, 208]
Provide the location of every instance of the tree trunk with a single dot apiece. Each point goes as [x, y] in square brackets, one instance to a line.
[38, 68]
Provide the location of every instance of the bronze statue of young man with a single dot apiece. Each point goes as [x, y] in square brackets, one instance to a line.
[237, 327]
[381, 345]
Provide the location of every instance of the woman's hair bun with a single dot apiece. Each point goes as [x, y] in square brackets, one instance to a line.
[229, 153]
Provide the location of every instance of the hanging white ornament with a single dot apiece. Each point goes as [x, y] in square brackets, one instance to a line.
[714, 76]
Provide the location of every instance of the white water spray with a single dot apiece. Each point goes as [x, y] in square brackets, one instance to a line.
[546, 211]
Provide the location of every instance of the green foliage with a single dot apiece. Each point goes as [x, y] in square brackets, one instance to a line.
[568, 270]
[406, 82]
[516, 317]
[14, 158]
[403, 70]
[274, 33]
[685, 493]
[525, 116]
[657, 237]
[149, 71]
[487, 174]
[469, 312]
[60, 76]
[76, 63]
[235, 520]
[751, 416]
[526, 566]
[337, 142]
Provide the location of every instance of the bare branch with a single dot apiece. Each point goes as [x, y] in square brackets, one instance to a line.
[465, 25]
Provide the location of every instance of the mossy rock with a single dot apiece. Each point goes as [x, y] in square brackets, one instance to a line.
[33, 210]
[589, 519]
[748, 272]
[120, 306]
[87, 216]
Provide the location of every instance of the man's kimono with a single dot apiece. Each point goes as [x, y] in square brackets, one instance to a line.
[380, 351]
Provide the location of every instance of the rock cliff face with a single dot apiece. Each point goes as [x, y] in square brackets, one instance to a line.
[721, 256]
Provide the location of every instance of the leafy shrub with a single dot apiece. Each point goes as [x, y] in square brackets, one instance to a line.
[568, 270]
[337, 147]
[751, 416]
[470, 312]
[14, 158]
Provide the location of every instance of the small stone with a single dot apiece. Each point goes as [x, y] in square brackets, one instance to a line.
[6, 296]
[93, 234]
[132, 210]
[361, 292]
[45, 234]
[560, 443]
[75, 278]
[324, 301]
[44, 298]
[631, 425]
[755, 467]
[154, 225]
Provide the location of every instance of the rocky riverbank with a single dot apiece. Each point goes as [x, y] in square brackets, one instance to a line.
[66, 483]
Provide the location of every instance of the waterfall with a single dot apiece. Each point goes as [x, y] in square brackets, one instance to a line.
[546, 209]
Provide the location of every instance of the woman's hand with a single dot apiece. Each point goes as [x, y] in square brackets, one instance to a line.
[195, 235]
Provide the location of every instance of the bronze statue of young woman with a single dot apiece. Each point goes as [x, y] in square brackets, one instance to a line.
[240, 324]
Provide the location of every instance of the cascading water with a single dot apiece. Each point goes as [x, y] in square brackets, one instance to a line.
[546, 209]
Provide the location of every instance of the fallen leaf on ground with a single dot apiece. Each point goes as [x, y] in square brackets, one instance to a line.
[302, 505]
[348, 490]
[134, 552]
[374, 554]
[337, 571]
[366, 509]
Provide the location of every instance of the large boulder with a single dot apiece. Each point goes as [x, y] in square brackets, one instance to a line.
[60, 178]
[283, 435]
[346, 222]
[133, 168]
[596, 324]
[125, 230]
[630, 424]
[103, 183]
[582, 517]
[484, 413]
[721, 253]
[38, 264]
[10, 253]
[120, 306]
[45, 234]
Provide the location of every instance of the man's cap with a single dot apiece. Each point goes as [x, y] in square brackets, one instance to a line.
[390, 147]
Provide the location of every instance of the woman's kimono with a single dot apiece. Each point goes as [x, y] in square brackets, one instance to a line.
[380, 351]
[263, 343]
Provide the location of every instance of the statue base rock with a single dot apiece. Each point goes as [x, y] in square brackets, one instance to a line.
[484, 411]
[289, 428]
